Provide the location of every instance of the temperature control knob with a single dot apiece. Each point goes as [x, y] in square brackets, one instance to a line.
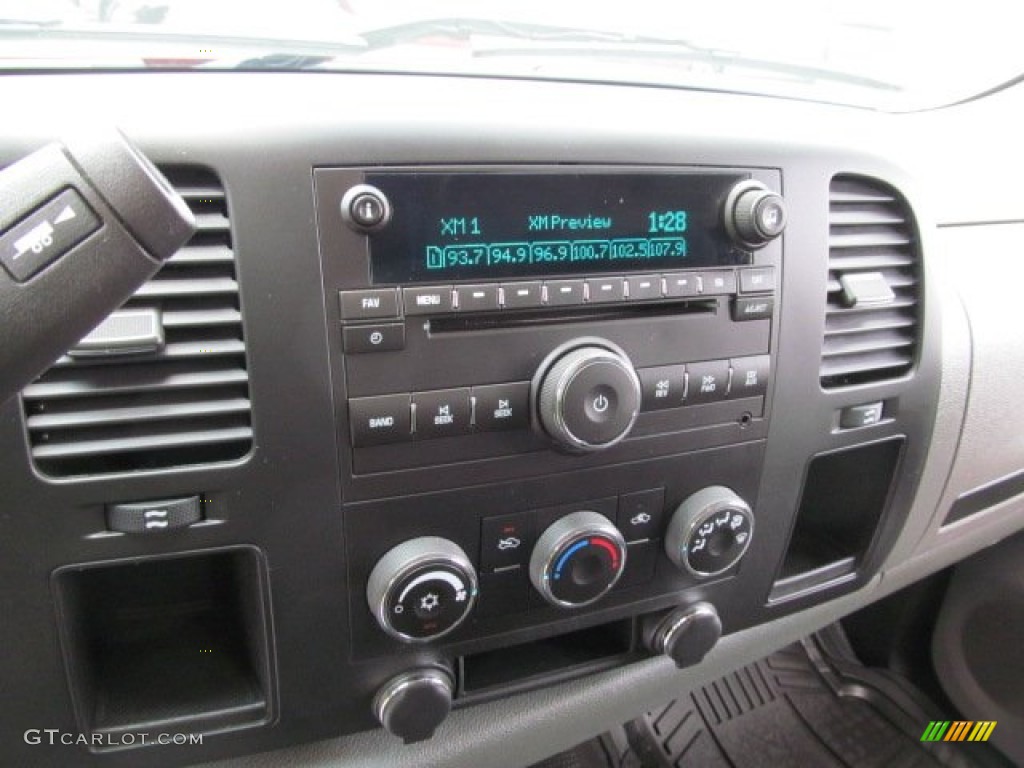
[577, 559]
[709, 532]
[754, 215]
[587, 395]
[422, 589]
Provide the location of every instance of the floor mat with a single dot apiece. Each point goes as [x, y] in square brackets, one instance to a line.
[811, 704]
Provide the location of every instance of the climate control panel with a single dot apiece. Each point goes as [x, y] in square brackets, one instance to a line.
[424, 588]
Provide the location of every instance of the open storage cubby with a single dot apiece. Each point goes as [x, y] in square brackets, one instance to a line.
[844, 497]
[179, 639]
[547, 660]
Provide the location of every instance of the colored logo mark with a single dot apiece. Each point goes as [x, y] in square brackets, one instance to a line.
[958, 730]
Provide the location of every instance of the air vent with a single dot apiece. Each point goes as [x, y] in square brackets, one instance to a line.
[180, 396]
[874, 284]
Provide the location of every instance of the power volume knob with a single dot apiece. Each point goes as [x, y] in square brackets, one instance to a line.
[422, 589]
[709, 532]
[587, 396]
[754, 215]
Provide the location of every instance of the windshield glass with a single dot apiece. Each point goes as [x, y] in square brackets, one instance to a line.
[872, 53]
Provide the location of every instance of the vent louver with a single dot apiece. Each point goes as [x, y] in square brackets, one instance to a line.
[874, 282]
[186, 403]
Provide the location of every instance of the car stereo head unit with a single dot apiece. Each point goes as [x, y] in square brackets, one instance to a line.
[430, 227]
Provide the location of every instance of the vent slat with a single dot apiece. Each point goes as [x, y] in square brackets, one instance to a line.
[870, 259]
[889, 362]
[873, 341]
[158, 288]
[844, 197]
[200, 193]
[212, 222]
[883, 237]
[135, 444]
[185, 405]
[172, 351]
[866, 216]
[107, 416]
[843, 323]
[97, 382]
[201, 318]
[838, 308]
[870, 230]
[203, 254]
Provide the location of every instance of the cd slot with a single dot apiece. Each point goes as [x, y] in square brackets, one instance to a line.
[541, 317]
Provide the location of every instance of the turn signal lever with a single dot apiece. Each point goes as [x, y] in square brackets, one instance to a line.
[83, 224]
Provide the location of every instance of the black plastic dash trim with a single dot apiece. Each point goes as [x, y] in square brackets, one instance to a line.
[986, 496]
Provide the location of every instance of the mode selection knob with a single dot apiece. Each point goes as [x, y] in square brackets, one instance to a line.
[587, 395]
[412, 704]
[577, 559]
[754, 215]
[709, 532]
[422, 589]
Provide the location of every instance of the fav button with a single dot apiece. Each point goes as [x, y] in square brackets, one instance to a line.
[369, 304]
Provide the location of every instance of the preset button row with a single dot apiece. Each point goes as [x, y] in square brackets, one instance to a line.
[532, 294]
[439, 413]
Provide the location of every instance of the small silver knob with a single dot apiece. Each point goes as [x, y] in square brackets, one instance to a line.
[422, 589]
[709, 532]
[412, 704]
[577, 559]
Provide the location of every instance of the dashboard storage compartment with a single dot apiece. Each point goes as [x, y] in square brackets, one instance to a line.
[181, 639]
[547, 660]
[844, 496]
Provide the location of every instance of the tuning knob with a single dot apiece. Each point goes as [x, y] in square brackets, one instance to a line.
[577, 559]
[587, 396]
[686, 634]
[414, 703]
[422, 589]
[754, 215]
[709, 532]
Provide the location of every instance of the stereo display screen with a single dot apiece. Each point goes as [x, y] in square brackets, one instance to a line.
[499, 225]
